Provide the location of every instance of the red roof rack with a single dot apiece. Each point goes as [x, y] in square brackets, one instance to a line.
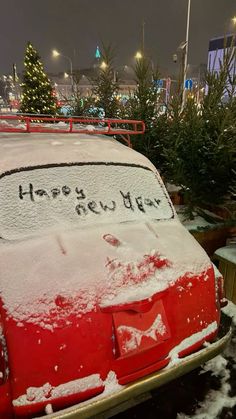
[75, 125]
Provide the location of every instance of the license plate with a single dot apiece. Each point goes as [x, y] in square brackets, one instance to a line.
[136, 332]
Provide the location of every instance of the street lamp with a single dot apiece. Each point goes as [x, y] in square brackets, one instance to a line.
[186, 55]
[56, 54]
[234, 20]
[103, 65]
[138, 55]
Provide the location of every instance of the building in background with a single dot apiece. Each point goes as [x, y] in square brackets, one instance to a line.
[217, 48]
[62, 84]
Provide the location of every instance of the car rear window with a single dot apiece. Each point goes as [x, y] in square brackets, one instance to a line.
[40, 198]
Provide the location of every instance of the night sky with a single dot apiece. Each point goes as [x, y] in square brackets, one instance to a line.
[76, 27]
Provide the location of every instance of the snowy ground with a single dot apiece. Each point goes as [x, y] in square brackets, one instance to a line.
[205, 393]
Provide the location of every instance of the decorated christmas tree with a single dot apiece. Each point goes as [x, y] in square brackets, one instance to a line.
[37, 97]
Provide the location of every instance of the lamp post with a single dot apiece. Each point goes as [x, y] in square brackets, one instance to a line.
[55, 54]
[186, 54]
[143, 36]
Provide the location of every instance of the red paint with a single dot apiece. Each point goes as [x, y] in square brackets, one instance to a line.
[137, 272]
[91, 345]
[109, 126]
[70, 345]
[130, 323]
[57, 404]
[144, 371]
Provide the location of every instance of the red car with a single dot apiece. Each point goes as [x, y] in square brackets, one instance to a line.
[100, 283]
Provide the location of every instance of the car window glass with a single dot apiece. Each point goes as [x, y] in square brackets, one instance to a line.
[39, 198]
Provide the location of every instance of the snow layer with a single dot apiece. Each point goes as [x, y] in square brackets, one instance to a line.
[71, 267]
[189, 341]
[135, 335]
[111, 386]
[48, 409]
[70, 272]
[228, 253]
[47, 391]
[22, 150]
[198, 223]
[215, 400]
[41, 199]
[230, 310]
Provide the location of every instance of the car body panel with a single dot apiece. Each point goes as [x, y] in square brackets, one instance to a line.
[92, 287]
[125, 395]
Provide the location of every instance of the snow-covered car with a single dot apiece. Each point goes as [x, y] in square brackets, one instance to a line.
[100, 284]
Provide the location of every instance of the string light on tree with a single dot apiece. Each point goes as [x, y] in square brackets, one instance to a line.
[37, 90]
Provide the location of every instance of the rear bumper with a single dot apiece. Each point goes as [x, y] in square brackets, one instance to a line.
[100, 404]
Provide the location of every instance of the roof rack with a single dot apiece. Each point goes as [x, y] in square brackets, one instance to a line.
[76, 125]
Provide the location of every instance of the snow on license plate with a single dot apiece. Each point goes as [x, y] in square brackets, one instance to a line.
[140, 331]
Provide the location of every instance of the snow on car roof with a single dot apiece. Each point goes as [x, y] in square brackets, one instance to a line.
[78, 268]
[64, 253]
[30, 149]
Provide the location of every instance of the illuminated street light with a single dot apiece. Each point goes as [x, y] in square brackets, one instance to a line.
[103, 65]
[66, 75]
[234, 20]
[55, 54]
[138, 55]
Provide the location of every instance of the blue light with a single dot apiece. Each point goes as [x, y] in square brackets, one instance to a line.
[97, 53]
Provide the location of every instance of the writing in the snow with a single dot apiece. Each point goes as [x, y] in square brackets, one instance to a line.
[84, 205]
